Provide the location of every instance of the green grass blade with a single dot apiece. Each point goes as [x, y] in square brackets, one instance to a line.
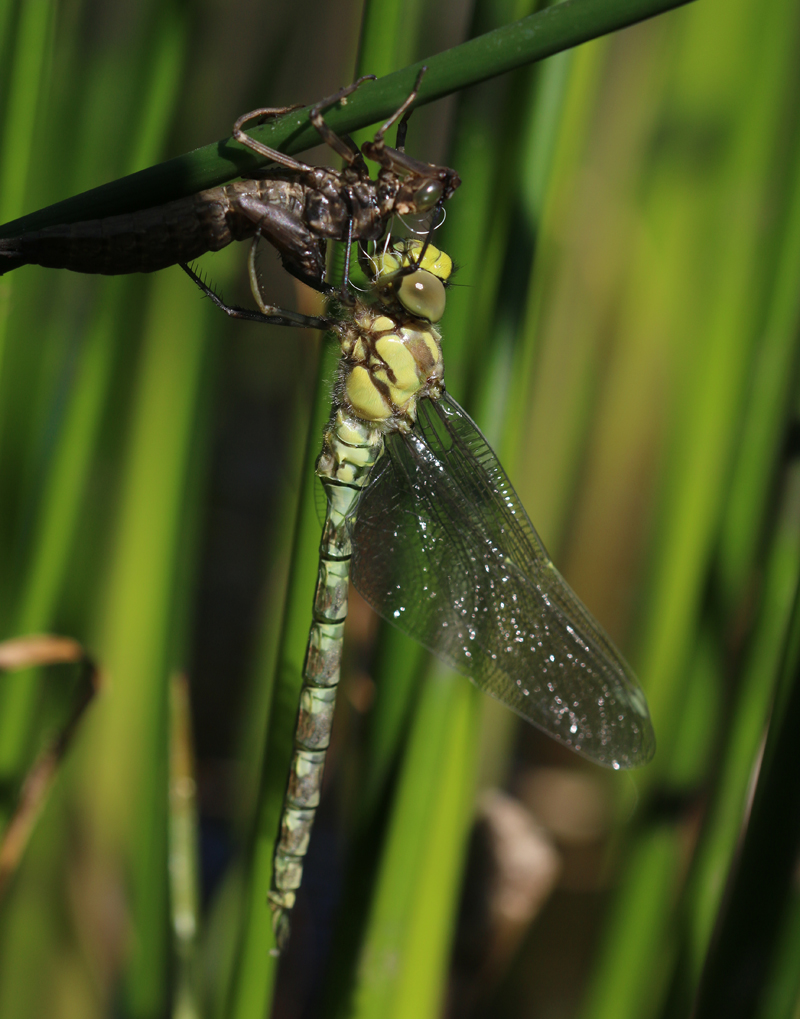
[541, 35]
[758, 683]
[759, 891]
[61, 499]
[136, 642]
[684, 644]
[184, 865]
[769, 400]
[403, 962]
[28, 80]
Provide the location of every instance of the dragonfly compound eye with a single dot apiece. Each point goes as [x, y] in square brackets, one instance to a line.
[422, 294]
[427, 195]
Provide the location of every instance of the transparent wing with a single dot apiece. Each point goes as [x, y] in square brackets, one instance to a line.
[443, 548]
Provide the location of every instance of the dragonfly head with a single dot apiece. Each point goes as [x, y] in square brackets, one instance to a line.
[413, 275]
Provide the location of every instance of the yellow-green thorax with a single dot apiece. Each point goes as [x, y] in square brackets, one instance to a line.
[391, 350]
[389, 363]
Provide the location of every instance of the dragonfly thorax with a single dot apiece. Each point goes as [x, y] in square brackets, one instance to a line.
[392, 353]
[389, 363]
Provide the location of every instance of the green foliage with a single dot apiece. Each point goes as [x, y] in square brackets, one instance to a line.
[624, 327]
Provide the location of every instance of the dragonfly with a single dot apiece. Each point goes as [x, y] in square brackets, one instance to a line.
[424, 520]
[298, 208]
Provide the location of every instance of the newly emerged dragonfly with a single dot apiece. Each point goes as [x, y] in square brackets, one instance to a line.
[295, 206]
[423, 517]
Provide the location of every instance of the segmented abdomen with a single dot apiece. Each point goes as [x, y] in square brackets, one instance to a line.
[150, 239]
[350, 449]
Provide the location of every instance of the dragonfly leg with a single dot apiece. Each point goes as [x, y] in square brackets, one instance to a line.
[396, 161]
[341, 146]
[270, 314]
[402, 111]
[255, 286]
[302, 251]
[264, 150]
[402, 131]
[348, 251]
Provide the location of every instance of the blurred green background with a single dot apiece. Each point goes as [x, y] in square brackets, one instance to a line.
[624, 327]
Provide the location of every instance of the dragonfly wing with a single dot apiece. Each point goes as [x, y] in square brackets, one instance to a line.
[443, 549]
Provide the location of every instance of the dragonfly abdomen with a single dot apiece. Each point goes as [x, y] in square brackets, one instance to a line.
[154, 238]
[350, 449]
